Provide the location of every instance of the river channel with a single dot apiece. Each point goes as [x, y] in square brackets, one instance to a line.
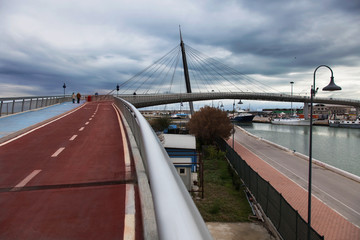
[339, 147]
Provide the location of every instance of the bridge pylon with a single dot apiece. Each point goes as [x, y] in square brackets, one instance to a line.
[186, 71]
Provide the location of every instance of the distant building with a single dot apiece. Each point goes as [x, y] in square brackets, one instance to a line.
[182, 152]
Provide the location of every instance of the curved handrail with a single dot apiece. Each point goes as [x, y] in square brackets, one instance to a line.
[177, 217]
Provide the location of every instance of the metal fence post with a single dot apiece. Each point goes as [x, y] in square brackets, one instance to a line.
[22, 105]
[13, 105]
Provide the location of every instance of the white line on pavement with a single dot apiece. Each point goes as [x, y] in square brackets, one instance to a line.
[58, 152]
[72, 138]
[82, 128]
[126, 148]
[86, 123]
[26, 180]
[129, 221]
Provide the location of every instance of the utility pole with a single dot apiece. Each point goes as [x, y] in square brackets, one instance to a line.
[186, 71]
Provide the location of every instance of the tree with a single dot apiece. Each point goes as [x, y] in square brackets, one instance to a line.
[160, 124]
[210, 123]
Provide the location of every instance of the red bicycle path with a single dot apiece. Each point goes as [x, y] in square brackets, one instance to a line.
[68, 179]
[325, 220]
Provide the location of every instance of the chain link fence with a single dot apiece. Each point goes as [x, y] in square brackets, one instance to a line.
[284, 217]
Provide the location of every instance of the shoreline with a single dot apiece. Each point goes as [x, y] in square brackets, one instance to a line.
[305, 157]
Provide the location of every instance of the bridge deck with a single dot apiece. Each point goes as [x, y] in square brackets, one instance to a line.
[70, 179]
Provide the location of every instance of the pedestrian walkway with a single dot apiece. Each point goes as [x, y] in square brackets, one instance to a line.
[325, 221]
[12, 123]
[70, 178]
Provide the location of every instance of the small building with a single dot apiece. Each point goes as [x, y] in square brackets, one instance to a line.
[182, 152]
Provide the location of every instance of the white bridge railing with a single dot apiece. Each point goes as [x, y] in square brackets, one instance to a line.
[21, 104]
[176, 215]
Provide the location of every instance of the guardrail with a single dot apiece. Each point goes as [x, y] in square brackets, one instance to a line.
[21, 104]
[176, 215]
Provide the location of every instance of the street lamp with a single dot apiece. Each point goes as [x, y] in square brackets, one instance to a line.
[117, 90]
[292, 83]
[64, 86]
[221, 106]
[233, 143]
[212, 103]
[331, 87]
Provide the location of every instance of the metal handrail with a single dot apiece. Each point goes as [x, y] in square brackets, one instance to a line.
[177, 217]
[13, 105]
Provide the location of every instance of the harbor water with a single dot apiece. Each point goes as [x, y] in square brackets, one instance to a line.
[339, 147]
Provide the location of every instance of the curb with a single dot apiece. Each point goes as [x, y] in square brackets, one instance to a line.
[305, 157]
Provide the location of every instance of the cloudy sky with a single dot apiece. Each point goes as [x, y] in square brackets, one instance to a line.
[92, 45]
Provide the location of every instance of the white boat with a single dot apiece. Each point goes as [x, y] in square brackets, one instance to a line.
[345, 123]
[291, 121]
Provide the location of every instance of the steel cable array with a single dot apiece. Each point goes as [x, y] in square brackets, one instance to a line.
[207, 74]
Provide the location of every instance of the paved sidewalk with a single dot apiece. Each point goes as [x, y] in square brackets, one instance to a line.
[325, 221]
[12, 123]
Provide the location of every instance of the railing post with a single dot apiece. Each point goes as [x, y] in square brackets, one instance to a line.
[1, 104]
[13, 105]
[22, 105]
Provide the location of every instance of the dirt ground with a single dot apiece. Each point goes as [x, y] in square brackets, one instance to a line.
[238, 231]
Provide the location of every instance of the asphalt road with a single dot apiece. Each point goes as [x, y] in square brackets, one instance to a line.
[72, 178]
[338, 192]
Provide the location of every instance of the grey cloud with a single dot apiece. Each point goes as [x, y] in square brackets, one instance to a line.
[95, 45]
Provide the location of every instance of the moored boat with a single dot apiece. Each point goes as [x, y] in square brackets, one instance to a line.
[291, 121]
[244, 117]
[345, 123]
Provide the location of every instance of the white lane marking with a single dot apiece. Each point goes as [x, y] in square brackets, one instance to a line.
[126, 148]
[82, 128]
[72, 138]
[86, 123]
[26, 180]
[253, 150]
[58, 152]
[32, 130]
[129, 220]
[90, 119]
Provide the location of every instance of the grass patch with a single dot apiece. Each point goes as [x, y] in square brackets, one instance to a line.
[224, 199]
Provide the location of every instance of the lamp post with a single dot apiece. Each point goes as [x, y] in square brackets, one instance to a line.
[233, 142]
[221, 105]
[330, 87]
[212, 102]
[117, 90]
[64, 86]
[292, 83]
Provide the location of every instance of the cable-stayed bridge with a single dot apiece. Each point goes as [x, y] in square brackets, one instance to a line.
[186, 75]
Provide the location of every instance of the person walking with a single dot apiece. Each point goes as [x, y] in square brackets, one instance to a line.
[73, 97]
[78, 96]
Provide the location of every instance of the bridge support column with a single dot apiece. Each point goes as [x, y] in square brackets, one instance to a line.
[306, 110]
